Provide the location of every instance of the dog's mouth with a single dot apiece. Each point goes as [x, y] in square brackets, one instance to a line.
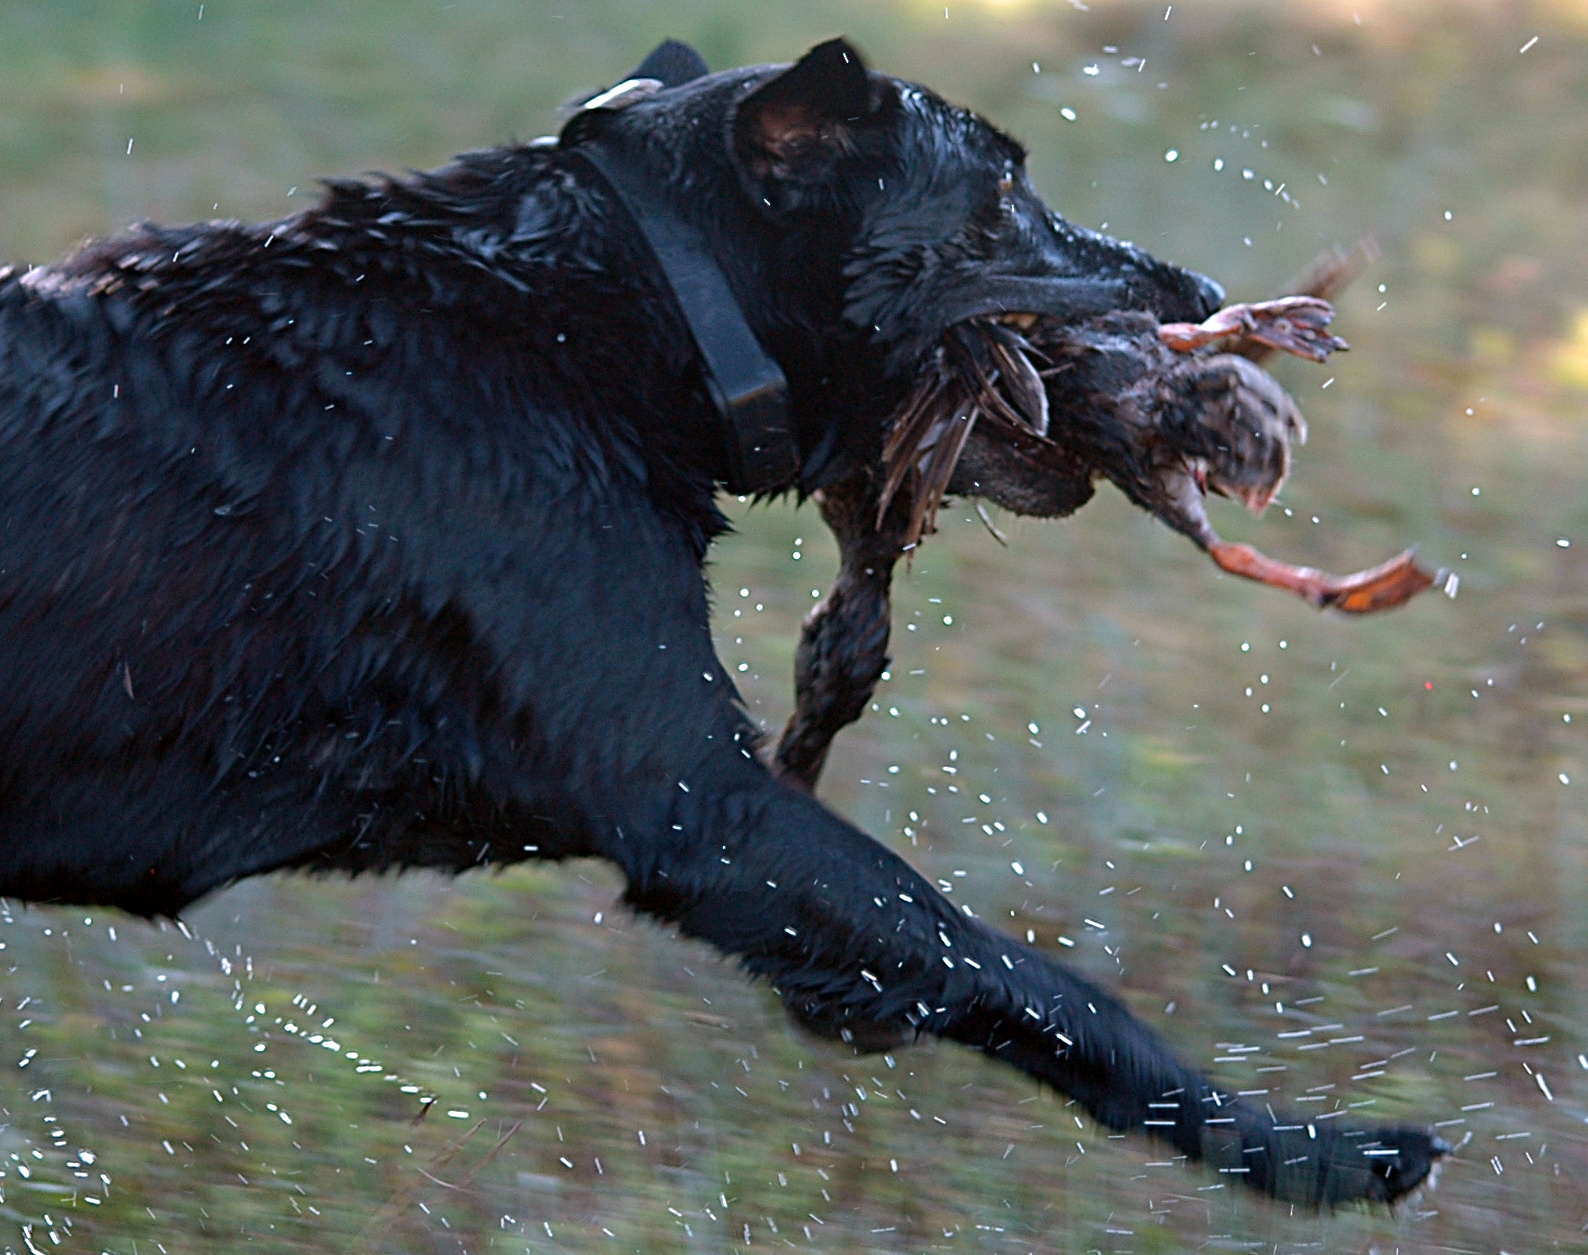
[983, 369]
[1042, 407]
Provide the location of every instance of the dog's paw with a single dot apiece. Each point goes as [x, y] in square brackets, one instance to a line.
[1379, 1166]
[1326, 1167]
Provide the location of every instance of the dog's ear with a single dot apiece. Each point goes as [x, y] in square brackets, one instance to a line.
[671, 64]
[793, 126]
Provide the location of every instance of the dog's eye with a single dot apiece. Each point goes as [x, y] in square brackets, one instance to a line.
[1006, 184]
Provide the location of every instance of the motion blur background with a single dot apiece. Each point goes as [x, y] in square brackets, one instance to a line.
[1340, 863]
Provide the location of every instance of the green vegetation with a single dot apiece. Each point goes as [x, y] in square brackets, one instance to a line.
[1282, 822]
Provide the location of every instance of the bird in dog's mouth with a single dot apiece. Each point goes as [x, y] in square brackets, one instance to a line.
[1028, 411]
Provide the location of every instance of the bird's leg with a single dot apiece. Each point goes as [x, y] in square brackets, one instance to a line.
[843, 647]
[1378, 588]
[1187, 337]
[1295, 324]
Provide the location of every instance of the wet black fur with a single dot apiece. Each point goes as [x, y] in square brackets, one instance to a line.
[373, 538]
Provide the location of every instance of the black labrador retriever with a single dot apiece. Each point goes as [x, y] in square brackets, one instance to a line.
[373, 537]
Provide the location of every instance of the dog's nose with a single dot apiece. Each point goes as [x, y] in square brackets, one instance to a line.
[1211, 294]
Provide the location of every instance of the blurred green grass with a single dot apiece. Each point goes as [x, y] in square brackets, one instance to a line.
[1229, 726]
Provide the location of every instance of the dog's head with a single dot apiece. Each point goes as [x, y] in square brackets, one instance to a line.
[858, 217]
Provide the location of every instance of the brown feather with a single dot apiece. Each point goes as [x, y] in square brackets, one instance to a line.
[936, 470]
[910, 433]
[1019, 380]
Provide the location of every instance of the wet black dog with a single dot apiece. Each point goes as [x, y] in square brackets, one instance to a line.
[372, 538]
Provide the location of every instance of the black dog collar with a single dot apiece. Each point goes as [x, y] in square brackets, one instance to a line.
[746, 385]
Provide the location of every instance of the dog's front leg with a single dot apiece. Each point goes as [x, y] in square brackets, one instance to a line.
[861, 947]
[843, 647]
